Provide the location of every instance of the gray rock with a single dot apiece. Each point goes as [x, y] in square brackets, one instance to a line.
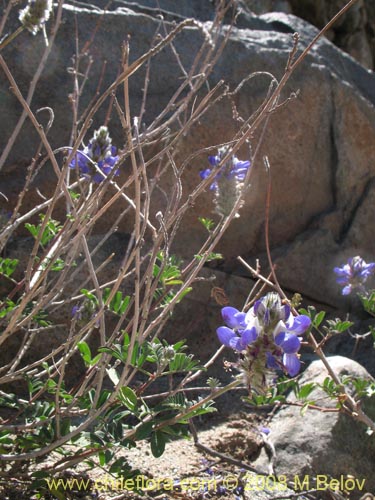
[329, 444]
[322, 172]
[353, 32]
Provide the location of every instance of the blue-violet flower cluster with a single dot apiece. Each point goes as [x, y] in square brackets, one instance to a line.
[354, 274]
[35, 15]
[98, 156]
[267, 336]
[228, 182]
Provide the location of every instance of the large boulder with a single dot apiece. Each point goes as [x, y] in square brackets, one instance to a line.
[354, 32]
[320, 145]
[326, 445]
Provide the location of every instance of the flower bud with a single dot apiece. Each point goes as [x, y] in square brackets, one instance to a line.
[269, 310]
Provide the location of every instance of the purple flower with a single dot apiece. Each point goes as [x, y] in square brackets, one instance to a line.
[298, 324]
[237, 341]
[204, 174]
[289, 342]
[354, 274]
[206, 463]
[98, 158]
[285, 331]
[233, 169]
[238, 491]
[269, 309]
[76, 312]
[239, 333]
[228, 181]
[233, 318]
[264, 430]
[84, 312]
[267, 335]
[290, 345]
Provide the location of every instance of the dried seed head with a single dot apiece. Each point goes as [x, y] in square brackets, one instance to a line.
[35, 15]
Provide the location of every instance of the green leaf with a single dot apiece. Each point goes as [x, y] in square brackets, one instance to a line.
[128, 397]
[167, 270]
[143, 431]
[344, 325]
[319, 318]
[118, 304]
[32, 229]
[181, 345]
[58, 265]
[330, 387]
[5, 438]
[105, 457]
[158, 441]
[115, 352]
[118, 415]
[199, 410]
[368, 302]
[112, 374]
[171, 281]
[85, 351]
[42, 318]
[176, 402]
[178, 430]
[183, 293]
[8, 266]
[210, 257]
[121, 467]
[75, 196]
[363, 387]
[116, 301]
[65, 426]
[305, 408]
[81, 439]
[316, 318]
[104, 396]
[209, 224]
[335, 326]
[304, 391]
[90, 296]
[126, 341]
[50, 230]
[40, 474]
[6, 307]
[98, 437]
[95, 360]
[183, 363]
[144, 353]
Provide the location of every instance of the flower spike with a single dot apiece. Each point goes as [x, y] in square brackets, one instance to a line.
[229, 180]
[267, 337]
[98, 158]
[354, 274]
